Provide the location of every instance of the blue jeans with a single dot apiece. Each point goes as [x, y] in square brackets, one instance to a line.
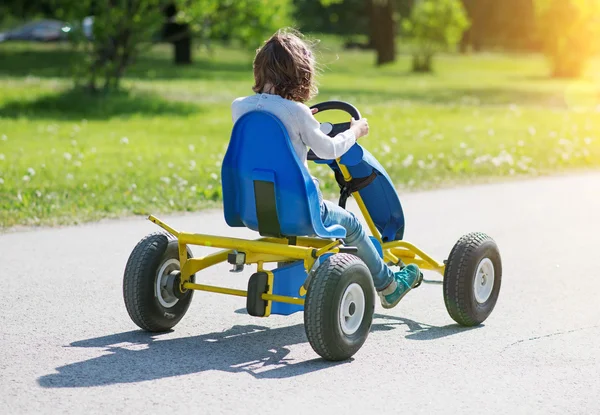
[332, 214]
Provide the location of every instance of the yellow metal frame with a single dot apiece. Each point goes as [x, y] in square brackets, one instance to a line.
[270, 250]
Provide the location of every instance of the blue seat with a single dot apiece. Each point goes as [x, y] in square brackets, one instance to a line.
[265, 186]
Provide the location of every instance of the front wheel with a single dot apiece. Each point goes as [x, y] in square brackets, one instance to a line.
[339, 307]
[472, 279]
[151, 286]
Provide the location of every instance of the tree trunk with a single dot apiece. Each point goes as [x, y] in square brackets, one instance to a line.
[422, 63]
[183, 50]
[383, 30]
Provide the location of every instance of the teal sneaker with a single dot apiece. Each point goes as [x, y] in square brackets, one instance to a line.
[405, 280]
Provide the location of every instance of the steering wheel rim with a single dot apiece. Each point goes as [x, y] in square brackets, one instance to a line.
[338, 105]
[335, 128]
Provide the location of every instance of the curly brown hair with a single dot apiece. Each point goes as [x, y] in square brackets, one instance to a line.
[286, 63]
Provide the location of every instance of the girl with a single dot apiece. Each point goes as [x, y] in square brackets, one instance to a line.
[284, 72]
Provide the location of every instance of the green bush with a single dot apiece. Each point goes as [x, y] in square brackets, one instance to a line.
[433, 26]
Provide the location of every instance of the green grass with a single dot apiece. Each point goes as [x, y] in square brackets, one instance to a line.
[67, 158]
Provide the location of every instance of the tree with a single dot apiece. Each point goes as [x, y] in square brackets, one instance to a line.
[122, 29]
[245, 21]
[383, 30]
[570, 34]
[433, 26]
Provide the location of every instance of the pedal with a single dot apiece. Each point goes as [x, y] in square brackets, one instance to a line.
[237, 259]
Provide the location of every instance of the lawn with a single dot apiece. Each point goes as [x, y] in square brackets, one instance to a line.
[68, 158]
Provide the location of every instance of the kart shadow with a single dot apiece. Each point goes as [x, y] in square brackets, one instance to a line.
[262, 352]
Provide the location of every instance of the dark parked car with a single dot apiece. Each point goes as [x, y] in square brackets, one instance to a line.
[40, 30]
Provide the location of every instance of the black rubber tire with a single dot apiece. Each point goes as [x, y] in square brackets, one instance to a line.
[323, 301]
[139, 280]
[459, 277]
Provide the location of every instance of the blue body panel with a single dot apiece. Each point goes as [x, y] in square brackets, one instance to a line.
[260, 149]
[380, 197]
[287, 281]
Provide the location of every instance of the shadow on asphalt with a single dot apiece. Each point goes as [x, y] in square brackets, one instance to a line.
[137, 356]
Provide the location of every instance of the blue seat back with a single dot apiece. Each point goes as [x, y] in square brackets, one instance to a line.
[265, 187]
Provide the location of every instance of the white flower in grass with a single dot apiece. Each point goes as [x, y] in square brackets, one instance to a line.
[421, 164]
[564, 142]
[552, 134]
[26, 178]
[2, 157]
[67, 156]
[77, 163]
[31, 171]
[463, 145]
[408, 160]
[441, 155]
[1, 180]
[70, 176]
[192, 164]
[124, 140]
[586, 140]
[482, 159]
[214, 176]
[193, 189]
[85, 185]
[386, 148]
[191, 148]
[521, 143]
[129, 164]
[38, 193]
[74, 143]
[491, 132]
[165, 180]
[532, 130]
[393, 140]
[4, 137]
[93, 150]
[469, 152]
[170, 165]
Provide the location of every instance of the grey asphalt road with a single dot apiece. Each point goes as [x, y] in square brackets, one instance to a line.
[67, 344]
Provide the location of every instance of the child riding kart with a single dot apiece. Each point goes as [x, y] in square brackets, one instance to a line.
[326, 266]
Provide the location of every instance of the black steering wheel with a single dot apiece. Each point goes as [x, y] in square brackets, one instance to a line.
[334, 129]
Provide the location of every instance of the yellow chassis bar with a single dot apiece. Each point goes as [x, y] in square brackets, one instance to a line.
[269, 250]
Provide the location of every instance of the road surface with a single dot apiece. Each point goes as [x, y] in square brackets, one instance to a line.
[67, 344]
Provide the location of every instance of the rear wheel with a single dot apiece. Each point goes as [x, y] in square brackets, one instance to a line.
[339, 307]
[472, 279]
[151, 284]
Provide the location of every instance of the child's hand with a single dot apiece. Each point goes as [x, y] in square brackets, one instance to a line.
[360, 127]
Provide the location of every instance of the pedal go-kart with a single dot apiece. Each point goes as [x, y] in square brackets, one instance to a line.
[267, 189]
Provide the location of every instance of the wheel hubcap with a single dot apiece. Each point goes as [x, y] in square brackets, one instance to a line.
[352, 309]
[484, 280]
[165, 298]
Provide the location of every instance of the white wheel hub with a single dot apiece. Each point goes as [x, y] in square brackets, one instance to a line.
[166, 299]
[483, 283]
[352, 309]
